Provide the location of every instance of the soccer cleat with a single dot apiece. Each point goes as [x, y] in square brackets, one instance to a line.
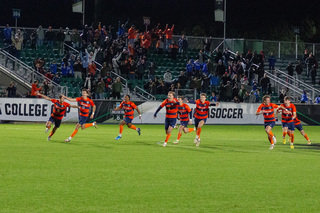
[195, 140]
[198, 142]
[47, 130]
[284, 141]
[118, 137]
[291, 146]
[67, 140]
[274, 140]
[165, 144]
[176, 142]
[49, 138]
[309, 143]
[95, 125]
[271, 146]
[139, 131]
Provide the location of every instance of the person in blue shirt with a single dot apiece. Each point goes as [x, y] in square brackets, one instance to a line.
[7, 34]
[304, 98]
[317, 100]
[70, 70]
[53, 67]
[197, 67]
[189, 68]
[213, 97]
[64, 70]
[257, 94]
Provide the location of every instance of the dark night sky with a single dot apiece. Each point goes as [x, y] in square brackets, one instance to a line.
[243, 16]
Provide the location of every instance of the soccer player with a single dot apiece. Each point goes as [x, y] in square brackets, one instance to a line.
[184, 113]
[287, 120]
[129, 108]
[201, 114]
[297, 124]
[267, 109]
[85, 103]
[59, 109]
[171, 105]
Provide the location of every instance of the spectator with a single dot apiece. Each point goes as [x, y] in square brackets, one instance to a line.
[132, 34]
[310, 61]
[299, 70]
[189, 69]
[33, 39]
[169, 33]
[49, 75]
[49, 36]
[161, 89]
[283, 94]
[88, 84]
[132, 70]
[213, 97]
[197, 68]
[242, 93]
[56, 79]
[290, 72]
[313, 73]
[173, 50]
[92, 68]
[207, 45]
[220, 68]
[183, 46]
[17, 43]
[205, 82]
[91, 56]
[108, 82]
[235, 91]
[152, 71]
[117, 88]
[60, 38]
[100, 89]
[160, 45]
[304, 97]
[317, 100]
[67, 38]
[244, 80]
[77, 67]
[45, 87]
[70, 71]
[53, 68]
[40, 36]
[182, 79]
[34, 89]
[257, 94]
[228, 89]
[167, 78]
[11, 89]
[7, 33]
[264, 82]
[141, 68]
[64, 70]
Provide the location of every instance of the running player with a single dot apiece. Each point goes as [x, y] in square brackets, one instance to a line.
[85, 102]
[297, 124]
[201, 114]
[128, 107]
[59, 109]
[184, 113]
[287, 120]
[171, 105]
[267, 109]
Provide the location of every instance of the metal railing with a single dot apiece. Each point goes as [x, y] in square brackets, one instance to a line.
[141, 93]
[29, 75]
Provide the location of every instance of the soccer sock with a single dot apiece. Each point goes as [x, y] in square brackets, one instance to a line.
[167, 138]
[74, 133]
[133, 127]
[270, 134]
[306, 137]
[179, 135]
[51, 133]
[198, 132]
[191, 129]
[292, 137]
[88, 125]
[270, 139]
[284, 134]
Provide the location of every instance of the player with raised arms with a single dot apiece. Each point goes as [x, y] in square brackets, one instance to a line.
[59, 110]
[267, 109]
[85, 103]
[171, 105]
[201, 114]
[287, 120]
[183, 113]
[297, 124]
[129, 108]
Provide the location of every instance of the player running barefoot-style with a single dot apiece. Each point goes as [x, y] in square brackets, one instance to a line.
[171, 105]
[297, 124]
[85, 103]
[287, 120]
[201, 114]
[267, 109]
[184, 113]
[59, 110]
[129, 108]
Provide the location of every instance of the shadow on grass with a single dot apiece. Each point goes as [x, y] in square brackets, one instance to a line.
[306, 146]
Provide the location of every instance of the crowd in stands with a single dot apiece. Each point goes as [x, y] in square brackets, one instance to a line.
[232, 76]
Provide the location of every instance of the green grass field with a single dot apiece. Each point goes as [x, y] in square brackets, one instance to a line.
[232, 171]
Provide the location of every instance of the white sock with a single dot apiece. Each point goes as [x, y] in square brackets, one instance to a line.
[197, 136]
[93, 123]
[120, 135]
[70, 138]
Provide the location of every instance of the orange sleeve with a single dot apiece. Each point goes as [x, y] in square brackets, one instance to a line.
[187, 107]
[259, 108]
[133, 105]
[163, 103]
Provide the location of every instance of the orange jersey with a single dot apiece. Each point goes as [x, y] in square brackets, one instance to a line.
[34, 89]
[132, 33]
[171, 108]
[183, 111]
[59, 109]
[84, 106]
[128, 108]
[202, 109]
[269, 111]
[286, 117]
[296, 121]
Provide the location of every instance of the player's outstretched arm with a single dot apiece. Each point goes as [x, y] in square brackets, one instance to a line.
[70, 99]
[155, 114]
[43, 96]
[139, 112]
[93, 111]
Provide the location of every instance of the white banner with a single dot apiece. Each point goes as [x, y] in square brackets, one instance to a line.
[32, 109]
[225, 113]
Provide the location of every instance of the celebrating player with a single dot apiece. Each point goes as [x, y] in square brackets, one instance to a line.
[128, 107]
[184, 113]
[59, 109]
[171, 105]
[287, 120]
[297, 124]
[201, 114]
[85, 102]
[267, 109]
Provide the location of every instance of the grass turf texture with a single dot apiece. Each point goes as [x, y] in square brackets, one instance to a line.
[232, 171]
